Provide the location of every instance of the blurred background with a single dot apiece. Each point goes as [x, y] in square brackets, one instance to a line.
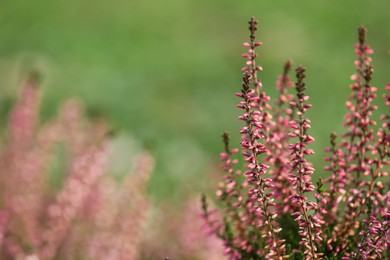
[164, 73]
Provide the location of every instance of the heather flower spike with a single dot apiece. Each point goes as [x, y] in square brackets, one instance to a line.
[277, 141]
[269, 212]
[301, 169]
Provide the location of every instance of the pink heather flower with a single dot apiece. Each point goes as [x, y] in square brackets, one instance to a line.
[26, 198]
[119, 222]
[230, 188]
[79, 133]
[375, 235]
[24, 116]
[22, 162]
[300, 171]
[354, 159]
[37, 222]
[375, 238]
[383, 140]
[84, 173]
[338, 181]
[358, 120]
[257, 122]
[4, 218]
[277, 142]
[191, 236]
[212, 223]
[350, 216]
[183, 232]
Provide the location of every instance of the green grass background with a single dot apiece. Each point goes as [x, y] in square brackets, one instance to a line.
[165, 72]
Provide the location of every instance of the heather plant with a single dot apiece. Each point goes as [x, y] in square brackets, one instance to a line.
[58, 200]
[272, 209]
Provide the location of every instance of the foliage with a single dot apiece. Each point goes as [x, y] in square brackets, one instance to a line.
[273, 210]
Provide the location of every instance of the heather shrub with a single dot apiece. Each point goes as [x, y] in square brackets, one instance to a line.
[58, 199]
[272, 209]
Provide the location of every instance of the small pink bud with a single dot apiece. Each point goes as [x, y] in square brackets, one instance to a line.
[234, 151]
[223, 156]
[292, 135]
[369, 51]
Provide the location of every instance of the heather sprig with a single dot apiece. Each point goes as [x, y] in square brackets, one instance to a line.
[350, 215]
[230, 188]
[358, 160]
[277, 140]
[337, 180]
[230, 194]
[300, 172]
[374, 236]
[359, 119]
[256, 124]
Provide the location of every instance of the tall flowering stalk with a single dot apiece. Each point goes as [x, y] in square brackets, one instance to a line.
[230, 192]
[300, 171]
[270, 214]
[337, 181]
[257, 123]
[22, 163]
[259, 203]
[277, 141]
[361, 156]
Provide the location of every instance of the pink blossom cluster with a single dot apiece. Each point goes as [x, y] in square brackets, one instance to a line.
[300, 172]
[273, 210]
[177, 232]
[277, 142]
[57, 199]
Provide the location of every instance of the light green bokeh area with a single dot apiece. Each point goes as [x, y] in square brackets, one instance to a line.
[166, 71]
